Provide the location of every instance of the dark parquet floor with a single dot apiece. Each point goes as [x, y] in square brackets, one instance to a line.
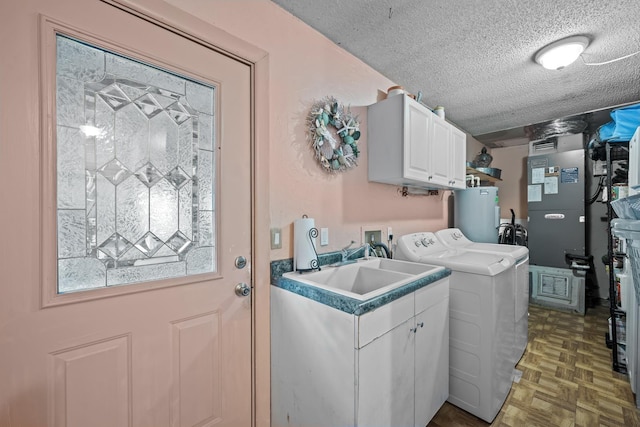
[567, 379]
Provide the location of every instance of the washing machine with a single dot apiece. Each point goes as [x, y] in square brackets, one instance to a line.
[454, 238]
[481, 313]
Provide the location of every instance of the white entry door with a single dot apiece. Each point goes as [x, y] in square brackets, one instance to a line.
[125, 207]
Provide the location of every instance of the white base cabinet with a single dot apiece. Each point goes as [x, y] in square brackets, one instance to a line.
[388, 367]
[408, 145]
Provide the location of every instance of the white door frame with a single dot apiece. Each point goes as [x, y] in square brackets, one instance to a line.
[186, 25]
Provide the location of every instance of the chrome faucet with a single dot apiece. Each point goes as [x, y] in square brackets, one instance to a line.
[346, 253]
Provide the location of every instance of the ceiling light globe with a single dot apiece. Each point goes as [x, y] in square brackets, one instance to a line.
[561, 53]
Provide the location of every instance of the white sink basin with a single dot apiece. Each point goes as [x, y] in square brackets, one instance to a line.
[405, 267]
[366, 278]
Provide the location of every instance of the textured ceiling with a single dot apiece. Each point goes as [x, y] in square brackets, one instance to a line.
[475, 57]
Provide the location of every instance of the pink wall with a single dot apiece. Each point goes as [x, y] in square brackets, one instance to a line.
[474, 147]
[304, 66]
[513, 187]
[296, 66]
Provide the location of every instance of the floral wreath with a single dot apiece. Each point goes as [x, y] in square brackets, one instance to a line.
[334, 154]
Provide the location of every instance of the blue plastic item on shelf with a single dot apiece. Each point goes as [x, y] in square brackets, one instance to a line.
[625, 122]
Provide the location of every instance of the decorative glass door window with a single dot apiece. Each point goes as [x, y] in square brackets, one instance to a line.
[135, 171]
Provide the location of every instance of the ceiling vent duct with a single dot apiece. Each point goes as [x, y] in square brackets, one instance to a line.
[559, 127]
[545, 146]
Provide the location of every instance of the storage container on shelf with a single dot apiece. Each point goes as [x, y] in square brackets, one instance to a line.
[628, 229]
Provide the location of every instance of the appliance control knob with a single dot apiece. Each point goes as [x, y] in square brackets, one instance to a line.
[425, 242]
[417, 242]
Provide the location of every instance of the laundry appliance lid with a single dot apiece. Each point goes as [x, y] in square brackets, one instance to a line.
[470, 262]
[455, 238]
[426, 248]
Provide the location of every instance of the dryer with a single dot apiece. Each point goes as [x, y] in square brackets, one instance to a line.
[454, 238]
[481, 313]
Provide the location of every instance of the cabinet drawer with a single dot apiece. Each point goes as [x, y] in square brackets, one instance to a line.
[375, 323]
[431, 295]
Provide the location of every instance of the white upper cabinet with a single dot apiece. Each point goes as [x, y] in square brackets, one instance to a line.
[415, 128]
[409, 145]
[458, 157]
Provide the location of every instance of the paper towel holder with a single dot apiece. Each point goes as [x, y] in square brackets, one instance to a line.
[314, 263]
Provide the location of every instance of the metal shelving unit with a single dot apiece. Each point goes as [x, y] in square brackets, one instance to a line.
[617, 151]
[483, 176]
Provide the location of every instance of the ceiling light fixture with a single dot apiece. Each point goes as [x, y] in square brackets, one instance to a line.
[561, 53]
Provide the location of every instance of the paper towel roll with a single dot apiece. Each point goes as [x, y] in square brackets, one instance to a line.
[304, 254]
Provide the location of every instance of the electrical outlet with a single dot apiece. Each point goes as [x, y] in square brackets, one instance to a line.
[389, 232]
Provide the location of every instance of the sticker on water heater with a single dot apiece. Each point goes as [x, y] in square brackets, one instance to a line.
[569, 175]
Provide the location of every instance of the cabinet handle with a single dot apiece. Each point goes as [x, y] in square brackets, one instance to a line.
[415, 330]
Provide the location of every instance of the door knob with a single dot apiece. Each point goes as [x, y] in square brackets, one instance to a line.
[243, 290]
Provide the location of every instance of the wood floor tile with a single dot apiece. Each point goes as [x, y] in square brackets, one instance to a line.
[567, 379]
[631, 416]
[586, 418]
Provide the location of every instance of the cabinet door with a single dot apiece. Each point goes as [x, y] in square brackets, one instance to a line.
[439, 152]
[458, 154]
[416, 159]
[431, 361]
[385, 379]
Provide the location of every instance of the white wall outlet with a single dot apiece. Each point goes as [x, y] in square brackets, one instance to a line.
[276, 238]
[324, 236]
[389, 232]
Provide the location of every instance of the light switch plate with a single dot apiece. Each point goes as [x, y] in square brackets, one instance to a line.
[276, 238]
[324, 236]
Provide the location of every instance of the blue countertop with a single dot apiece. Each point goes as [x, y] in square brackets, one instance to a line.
[352, 305]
